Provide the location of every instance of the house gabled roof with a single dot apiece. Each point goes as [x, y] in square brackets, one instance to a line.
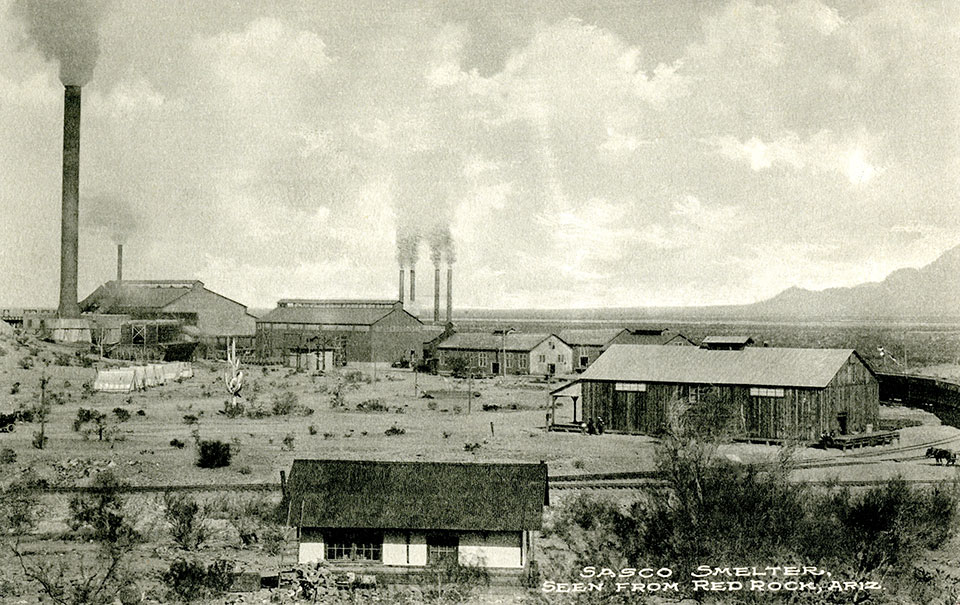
[589, 338]
[487, 341]
[136, 295]
[761, 366]
[342, 313]
[417, 495]
[726, 341]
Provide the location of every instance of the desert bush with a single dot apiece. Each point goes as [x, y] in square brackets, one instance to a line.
[40, 439]
[446, 581]
[8, 456]
[213, 454]
[337, 399]
[26, 362]
[122, 414]
[90, 421]
[356, 377]
[20, 504]
[372, 405]
[272, 539]
[459, 367]
[15, 388]
[284, 403]
[189, 419]
[141, 413]
[177, 444]
[394, 430]
[312, 429]
[101, 515]
[186, 517]
[62, 359]
[471, 447]
[288, 442]
[190, 580]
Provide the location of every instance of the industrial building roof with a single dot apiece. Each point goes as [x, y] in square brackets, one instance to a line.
[134, 295]
[323, 315]
[487, 341]
[761, 366]
[417, 495]
[587, 338]
[727, 340]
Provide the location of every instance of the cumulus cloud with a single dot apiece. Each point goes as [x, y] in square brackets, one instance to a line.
[576, 156]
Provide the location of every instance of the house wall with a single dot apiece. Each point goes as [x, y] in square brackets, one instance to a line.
[216, 315]
[396, 337]
[311, 546]
[591, 352]
[404, 548]
[492, 549]
[474, 358]
[551, 351]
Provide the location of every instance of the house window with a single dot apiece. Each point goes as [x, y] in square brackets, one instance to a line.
[693, 394]
[584, 360]
[542, 359]
[442, 548]
[353, 546]
[636, 387]
[522, 361]
[560, 358]
[761, 392]
[510, 360]
[482, 359]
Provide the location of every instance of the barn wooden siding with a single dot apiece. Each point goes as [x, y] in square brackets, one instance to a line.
[802, 413]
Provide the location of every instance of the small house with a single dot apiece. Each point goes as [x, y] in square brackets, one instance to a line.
[506, 352]
[394, 516]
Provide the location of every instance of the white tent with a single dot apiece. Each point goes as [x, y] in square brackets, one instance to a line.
[139, 377]
[120, 380]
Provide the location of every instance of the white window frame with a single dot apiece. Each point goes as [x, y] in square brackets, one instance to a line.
[634, 387]
[765, 392]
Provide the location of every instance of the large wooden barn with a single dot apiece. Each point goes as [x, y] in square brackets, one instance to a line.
[770, 393]
[393, 518]
[355, 330]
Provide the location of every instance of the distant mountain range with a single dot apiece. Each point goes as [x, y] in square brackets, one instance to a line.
[930, 292]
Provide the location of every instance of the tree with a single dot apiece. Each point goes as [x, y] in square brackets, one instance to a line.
[101, 514]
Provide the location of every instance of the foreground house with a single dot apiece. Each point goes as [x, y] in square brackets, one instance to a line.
[393, 517]
[511, 353]
[354, 330]
[769, 393]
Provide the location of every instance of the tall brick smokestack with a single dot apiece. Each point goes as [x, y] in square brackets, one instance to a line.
[119, 263]
[413, 284]
[70, 207]
[436, 294]
[449, 294]
[401, 284]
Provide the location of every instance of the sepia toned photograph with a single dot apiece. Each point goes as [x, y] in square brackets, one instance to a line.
[494, 302]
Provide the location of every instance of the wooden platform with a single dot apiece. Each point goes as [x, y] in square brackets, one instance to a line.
[842, 442]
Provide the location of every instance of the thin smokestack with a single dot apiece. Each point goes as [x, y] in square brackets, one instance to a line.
[449, 294]
[413, 284]
[70, 210]
[436, 294]
[401, 284]
[119, 263]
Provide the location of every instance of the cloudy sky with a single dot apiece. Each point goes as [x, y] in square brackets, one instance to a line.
[569, 153]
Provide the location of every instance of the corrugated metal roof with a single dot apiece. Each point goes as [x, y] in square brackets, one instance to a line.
[760, 366]
[350, 316]
[727, 340]
[486, 341]
[417, 495]
[587, 338]
[139, 295]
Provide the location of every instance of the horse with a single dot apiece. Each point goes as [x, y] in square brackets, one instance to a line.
[941, 455]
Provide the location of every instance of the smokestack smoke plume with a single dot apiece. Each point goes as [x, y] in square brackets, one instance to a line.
[119, 263]
[401, 284]
[66, 31]
[436, 293]
[449, 294]
[413, 284]
[69, 219]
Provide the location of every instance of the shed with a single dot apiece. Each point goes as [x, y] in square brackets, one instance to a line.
[771, 393]
[507, 352]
